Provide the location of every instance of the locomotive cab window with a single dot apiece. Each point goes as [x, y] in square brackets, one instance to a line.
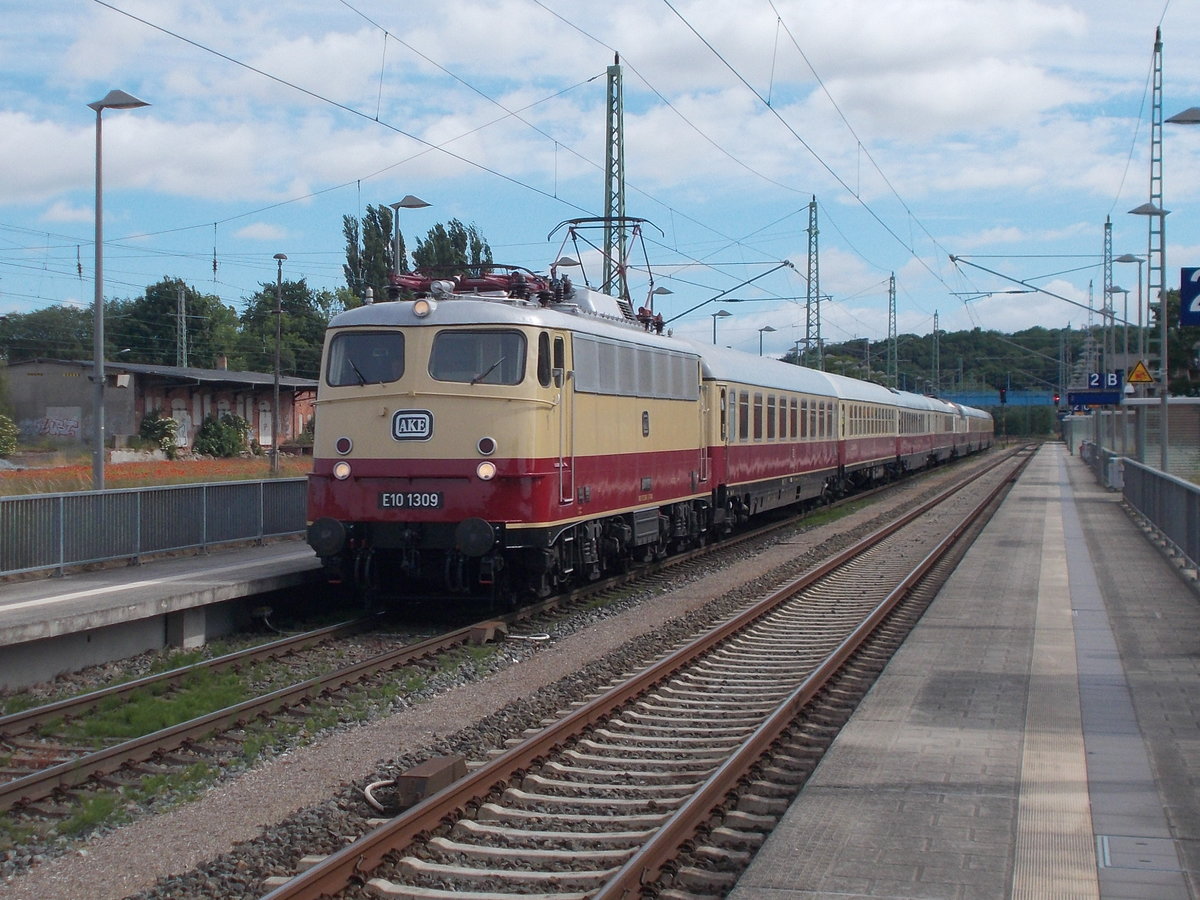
[478, 357]
[365, 357]
[543, 360]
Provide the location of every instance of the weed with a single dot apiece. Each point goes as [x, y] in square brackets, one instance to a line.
[94, 810]
[122, 718]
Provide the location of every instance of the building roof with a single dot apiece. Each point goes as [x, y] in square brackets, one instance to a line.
[184, 374]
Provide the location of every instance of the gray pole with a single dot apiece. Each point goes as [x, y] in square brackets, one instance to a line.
[98, 327]
[111, 100]
[279, 258]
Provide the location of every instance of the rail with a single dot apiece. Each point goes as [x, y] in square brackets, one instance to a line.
[42, 532]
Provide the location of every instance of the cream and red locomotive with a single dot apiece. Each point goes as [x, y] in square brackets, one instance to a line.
[505, 436]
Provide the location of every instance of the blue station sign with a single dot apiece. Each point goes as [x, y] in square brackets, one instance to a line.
[1189, 296]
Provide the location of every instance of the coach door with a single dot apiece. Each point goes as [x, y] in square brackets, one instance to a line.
[564, 415]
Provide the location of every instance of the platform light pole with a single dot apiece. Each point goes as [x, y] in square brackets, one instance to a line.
[112, 100]
[719, 314]
[409, 202]
[1130, 258]
[279, 258]
[766, 329]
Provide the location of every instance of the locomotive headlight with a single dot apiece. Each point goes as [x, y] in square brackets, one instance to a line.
[486, 446]
[341, 470]
[486, 470]
[423, 307]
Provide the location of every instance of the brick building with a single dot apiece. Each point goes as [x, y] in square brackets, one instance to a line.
[52, 399]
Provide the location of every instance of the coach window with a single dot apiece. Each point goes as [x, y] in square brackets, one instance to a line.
[365, 357]
[743, 416]
[724, 418]
[478, 357]
[771, 417]
[758, 414]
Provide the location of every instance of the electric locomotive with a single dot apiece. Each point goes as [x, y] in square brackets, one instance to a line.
[502, 441]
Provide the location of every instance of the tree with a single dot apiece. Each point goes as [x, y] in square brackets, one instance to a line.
[369, 251]
[305, 317]
[452, 246]
[56, 332]
[149, 326]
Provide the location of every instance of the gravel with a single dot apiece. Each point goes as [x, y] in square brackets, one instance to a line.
[261, 821]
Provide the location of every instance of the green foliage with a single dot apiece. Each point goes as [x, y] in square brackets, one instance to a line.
[369, 252]
[160, 431]
[222, 437]
[452, 246]
[55, 332]
[146, 712]
[302, 328]
[1024, 421]
[8, 436]
[149, 325]
[93, 811]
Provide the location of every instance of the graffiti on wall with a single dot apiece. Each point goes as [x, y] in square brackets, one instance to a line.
[59, 421]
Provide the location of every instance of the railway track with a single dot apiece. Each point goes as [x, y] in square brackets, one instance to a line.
[41, 764]
[666, 782]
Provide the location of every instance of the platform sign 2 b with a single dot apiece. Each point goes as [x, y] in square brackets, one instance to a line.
[1189, 296]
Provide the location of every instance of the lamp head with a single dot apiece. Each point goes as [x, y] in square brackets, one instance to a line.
[118, 100]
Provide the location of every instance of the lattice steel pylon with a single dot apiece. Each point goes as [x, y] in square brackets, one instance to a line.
[812, 325]
[936, 363]
[1107, 309]
[893, 359]
[181, 353]
[615, 280]
[1156, 250]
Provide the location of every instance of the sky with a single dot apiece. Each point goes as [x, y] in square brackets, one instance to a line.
[1002, 132]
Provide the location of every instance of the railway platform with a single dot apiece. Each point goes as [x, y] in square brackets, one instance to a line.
[1038, 735]
[49, 625]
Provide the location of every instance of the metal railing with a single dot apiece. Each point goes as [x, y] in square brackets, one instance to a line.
[55, 531]
[1170, 504]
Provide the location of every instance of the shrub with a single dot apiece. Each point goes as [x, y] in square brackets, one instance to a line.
[222, 437]
[160, 431]
[8, 436]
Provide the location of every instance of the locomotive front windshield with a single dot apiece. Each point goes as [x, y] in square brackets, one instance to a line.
[478, 357]
[365, 357]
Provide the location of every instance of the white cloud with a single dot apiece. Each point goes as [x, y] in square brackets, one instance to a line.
[260, 231]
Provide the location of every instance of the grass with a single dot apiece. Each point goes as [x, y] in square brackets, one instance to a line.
[78, 477]
[128, 717]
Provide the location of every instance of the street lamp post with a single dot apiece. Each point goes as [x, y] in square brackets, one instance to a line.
[409, 202]
[1149, 209]
[1130, 258]
[112, 100]
[1124, 292]
[719, 314]
[279, 258]
[765, 329]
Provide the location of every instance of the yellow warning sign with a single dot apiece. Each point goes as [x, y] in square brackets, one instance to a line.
[1139, 374]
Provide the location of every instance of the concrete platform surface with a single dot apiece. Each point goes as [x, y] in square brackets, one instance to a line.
[51, 607]
[1037, 736]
